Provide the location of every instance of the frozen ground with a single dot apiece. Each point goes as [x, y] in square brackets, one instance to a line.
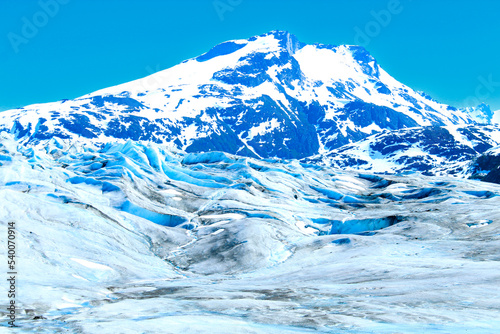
[134, 238]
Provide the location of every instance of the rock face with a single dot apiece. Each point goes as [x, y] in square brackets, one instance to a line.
[486, 167]
[268, 96]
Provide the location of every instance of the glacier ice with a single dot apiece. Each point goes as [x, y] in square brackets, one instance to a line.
[135, 237]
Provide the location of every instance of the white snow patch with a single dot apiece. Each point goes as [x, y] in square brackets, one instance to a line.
[263, 128]
[224, 216]
[91, 265]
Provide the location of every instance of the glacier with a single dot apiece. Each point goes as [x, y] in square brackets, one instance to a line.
[140, 237]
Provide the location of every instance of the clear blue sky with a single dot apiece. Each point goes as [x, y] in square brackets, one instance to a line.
[447, 48]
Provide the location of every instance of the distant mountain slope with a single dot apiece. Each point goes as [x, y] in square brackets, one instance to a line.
[267, 96]
[432, 150]
[486, 167]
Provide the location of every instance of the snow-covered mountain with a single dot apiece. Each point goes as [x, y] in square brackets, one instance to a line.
[267, 96]
[431, 150]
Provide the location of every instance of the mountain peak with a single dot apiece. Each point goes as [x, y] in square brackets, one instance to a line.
[287, 40]
[481, 114]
